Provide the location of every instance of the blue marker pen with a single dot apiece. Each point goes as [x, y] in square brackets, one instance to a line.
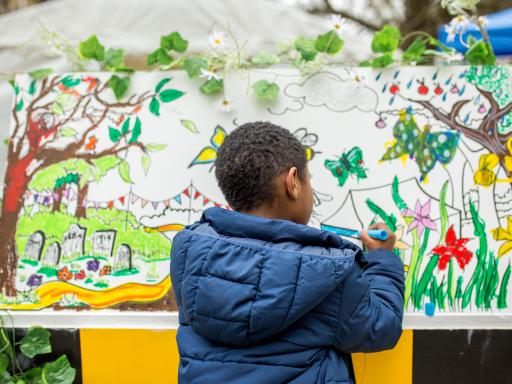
[378, 234]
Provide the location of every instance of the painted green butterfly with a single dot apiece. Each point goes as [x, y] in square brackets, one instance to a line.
[425, 147]
[349, 163]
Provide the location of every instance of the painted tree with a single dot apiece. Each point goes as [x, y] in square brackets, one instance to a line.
[69, 118]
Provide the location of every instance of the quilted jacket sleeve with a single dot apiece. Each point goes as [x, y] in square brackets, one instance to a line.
[371, 306]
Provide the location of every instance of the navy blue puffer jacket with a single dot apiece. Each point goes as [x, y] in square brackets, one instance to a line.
[269, 301]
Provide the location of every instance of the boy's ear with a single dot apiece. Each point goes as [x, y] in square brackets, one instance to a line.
[292, 183]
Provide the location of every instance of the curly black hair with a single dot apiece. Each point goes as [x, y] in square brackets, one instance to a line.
[249, 160]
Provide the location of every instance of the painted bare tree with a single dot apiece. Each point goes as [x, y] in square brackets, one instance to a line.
[59, 119]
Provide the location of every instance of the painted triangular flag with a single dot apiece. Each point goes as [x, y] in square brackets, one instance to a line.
[155, 204]
[217, 204]
[205, 200]
[177, 198]
[121, 200]
[96, 205]
[110, 204]
[197, 194]
[134, 198]
[187, 192]
[143, 202]
[167, 202]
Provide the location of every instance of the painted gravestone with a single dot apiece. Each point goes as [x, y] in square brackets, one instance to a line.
[427, 150]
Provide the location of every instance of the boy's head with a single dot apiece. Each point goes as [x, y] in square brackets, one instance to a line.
[262, 169]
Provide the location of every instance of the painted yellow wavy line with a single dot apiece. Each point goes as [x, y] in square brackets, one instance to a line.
[51, 293]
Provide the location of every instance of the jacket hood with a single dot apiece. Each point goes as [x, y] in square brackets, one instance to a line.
[240, 279]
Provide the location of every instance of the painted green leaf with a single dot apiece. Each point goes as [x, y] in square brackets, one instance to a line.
[59, 372]
[124, 171]
[67, 132]
[137, 129]
[32, 87]
[193, 65]
[155, 147]
[91, 49]
[386, 40]
[114, 59]
[190, 125]
[114, 134]
[415, 51]
[382, 61]
[399, 202]
[306, 48]
[265, 90]
[125, 127]
[154, 106]
[158, 56]
[329, 42]
[145, 161]
[161, 84]
[36, 342]
[19, 106]
[40, 74]
[4, 362]
[212, 86]
[119, 85]
[265, 58]
[14, 86]
[480, 53]
[173, 41]
[70, 81]
[170, 95]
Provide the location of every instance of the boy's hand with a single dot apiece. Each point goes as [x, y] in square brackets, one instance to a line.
[371, 244]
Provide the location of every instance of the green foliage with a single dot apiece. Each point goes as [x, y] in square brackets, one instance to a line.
[190, 125]
[124, 171]
[119, 85]
[414, 53]
[67, 132]
[91, 49]
[387, 40]
[145, 161]
[168, 43]
[161, 84]
[480, 53]
[59, 372]
[156, 147]
[329, 43]
[265, 90]
[265, 58]
[136, 131]
[158, 56]
[40, 74]
[114, 134]
[382, 61]
[400, 203]
[154, 106]
[114, 59]
[212, 86]
[306, 48]
[36, 342]
[170, 95]
[70, 81]
[194, 64]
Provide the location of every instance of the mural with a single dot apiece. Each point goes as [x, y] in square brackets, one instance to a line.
[96, 188]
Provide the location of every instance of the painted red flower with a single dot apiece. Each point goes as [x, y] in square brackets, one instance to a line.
[453, 248]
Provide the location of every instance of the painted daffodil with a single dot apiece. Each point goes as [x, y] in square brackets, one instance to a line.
[502, 234]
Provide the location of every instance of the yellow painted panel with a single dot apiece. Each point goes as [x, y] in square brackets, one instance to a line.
[389, 367]
[121, 356]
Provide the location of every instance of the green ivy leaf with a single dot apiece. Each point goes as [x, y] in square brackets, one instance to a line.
[173, 41]
[34, 375]
[124, 171]
[19, 106]
[329, 42]
[193, 65]
[4, 362]
[480, 53]
[40, 74]
[154, 106]
[382, 61]
[306, 48]
[114, 134]
[145, 161]
[415, 51]
[36, 342]
[125, 127]
[32, 87]
[136, 131]
[155, 147]
[91, 49]
[114, 59]
[119, 85]
[265, 58]
[170, 95]
[190, 125]
[265, 90]
[158, 56]
[161, 84]
[67, 132]
[386, 40]
[212, 86]
[58, 372]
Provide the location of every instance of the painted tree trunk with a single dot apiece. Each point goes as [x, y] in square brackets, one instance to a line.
[81, 211]
[57, 200]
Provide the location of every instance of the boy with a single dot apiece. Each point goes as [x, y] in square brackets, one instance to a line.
[262, 297]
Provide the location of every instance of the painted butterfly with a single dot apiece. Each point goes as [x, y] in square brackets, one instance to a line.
[208, 154]
[425, 147]
[349, 163]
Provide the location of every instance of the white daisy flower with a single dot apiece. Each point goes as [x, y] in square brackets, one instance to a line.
[453, 56]
[225, 105]
[459, 22]
[217, 39]
[483, 21]
[208, 75]
[338, 23]
[451, 31]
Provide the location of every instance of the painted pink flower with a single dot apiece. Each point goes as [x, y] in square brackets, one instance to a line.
[421, 217]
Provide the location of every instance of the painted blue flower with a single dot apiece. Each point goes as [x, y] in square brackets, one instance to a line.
[35, 280]
[93, 265]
